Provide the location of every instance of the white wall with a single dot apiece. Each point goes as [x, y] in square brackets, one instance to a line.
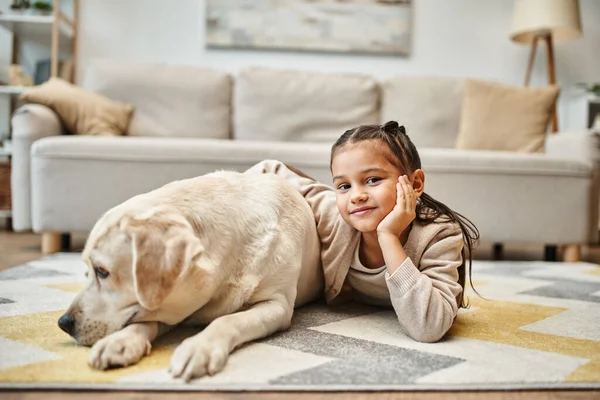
[466, 38]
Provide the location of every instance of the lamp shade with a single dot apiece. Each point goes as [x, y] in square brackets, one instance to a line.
[560, 18]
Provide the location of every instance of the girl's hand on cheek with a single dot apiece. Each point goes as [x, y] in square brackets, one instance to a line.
[403, 213]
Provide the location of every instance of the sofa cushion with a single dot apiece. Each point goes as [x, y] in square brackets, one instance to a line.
[428, 107]
[301, 106]
[71, 175]
[503, 117]
[81, 112]
[177, 101]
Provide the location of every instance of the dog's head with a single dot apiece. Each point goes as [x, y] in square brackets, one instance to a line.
[135, 264]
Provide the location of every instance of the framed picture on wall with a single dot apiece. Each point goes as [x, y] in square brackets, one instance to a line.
[349, 26]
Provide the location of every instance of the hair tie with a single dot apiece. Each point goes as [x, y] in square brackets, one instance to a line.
[390, 127]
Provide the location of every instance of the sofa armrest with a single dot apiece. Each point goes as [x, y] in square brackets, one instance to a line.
[29, 123]
[582, 145]
[515, 197]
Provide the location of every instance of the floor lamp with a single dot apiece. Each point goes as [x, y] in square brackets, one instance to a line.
[550, 21]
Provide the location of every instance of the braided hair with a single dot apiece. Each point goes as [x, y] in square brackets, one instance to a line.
[404, 155]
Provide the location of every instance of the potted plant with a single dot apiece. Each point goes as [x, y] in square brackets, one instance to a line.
[592, 88]
[41, 7]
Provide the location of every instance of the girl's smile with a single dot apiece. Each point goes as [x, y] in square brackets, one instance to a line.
[365, 182]
[362, 211]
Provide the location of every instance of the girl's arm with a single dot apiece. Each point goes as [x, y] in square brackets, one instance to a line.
[393, 252]
[425, 298]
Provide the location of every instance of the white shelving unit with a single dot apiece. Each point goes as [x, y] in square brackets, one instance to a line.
[57, 25]
[28, 26]
[34, 25]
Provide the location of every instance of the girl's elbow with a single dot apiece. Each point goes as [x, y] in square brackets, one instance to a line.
[429, 333]
[430, 325]
[429, 336]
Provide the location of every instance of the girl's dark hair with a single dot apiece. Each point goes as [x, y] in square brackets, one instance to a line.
[403, 154]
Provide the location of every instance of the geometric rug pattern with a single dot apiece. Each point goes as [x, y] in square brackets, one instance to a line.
[537, 325]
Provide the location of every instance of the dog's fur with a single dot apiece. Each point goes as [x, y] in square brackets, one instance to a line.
[232, 251]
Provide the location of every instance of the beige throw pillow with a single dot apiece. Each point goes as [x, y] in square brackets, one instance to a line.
[82, 112]
[501, 117]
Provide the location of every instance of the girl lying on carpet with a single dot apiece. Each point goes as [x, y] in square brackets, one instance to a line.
[384, 241]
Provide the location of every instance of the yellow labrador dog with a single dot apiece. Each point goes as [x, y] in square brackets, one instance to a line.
[232, 251]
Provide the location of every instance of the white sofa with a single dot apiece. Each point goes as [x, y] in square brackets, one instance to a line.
[192, 120]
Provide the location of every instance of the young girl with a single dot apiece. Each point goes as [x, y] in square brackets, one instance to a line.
[384, 240]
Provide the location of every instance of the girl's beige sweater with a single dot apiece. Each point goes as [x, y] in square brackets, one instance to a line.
[423, 290]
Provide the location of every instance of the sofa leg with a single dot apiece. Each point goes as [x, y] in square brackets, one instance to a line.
[497, 252]
[51, 242]
[572, 253]
[65, 242]
[550, 252]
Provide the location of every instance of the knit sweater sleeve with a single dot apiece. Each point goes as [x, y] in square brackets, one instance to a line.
[425, 297]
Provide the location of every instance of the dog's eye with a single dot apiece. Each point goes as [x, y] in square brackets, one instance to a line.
[101, 272]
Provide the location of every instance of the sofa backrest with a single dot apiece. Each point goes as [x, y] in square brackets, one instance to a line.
[428, 107]
[269, 104]
[178, 101]
[301, 106]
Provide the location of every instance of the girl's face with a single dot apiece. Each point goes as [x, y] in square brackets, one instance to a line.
[365, 184]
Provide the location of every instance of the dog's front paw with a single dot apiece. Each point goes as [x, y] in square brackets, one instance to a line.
[118, 349]
[197, 356]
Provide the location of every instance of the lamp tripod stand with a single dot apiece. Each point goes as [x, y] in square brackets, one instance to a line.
[547, 38]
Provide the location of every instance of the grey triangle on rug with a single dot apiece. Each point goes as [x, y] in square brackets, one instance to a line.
[537, 325]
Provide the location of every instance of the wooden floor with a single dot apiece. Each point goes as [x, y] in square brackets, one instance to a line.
[19, 248]
[531, 395]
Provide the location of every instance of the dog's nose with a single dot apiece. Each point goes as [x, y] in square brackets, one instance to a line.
[66, 323]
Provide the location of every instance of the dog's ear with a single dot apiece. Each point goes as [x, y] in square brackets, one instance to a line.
[162, 249]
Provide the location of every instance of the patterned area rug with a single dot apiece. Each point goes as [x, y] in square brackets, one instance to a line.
[538, 327]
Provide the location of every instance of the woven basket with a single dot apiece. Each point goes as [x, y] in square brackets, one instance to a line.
[5, 202]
